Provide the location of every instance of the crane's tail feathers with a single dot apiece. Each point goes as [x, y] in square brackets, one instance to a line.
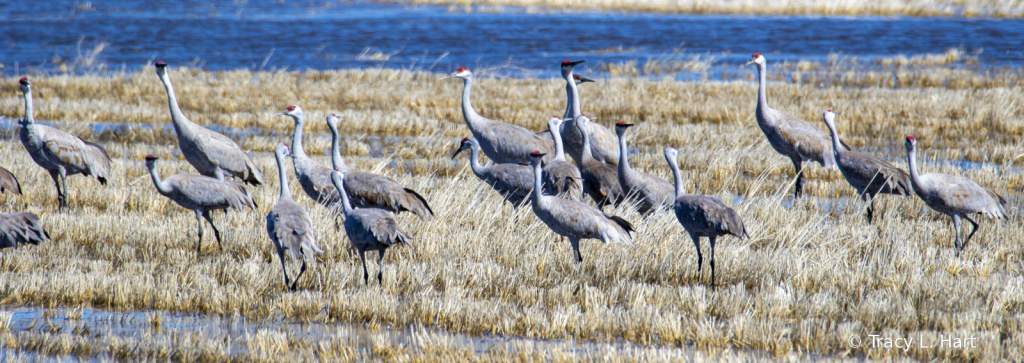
[622, 223]
[419, 210]
[98, 161]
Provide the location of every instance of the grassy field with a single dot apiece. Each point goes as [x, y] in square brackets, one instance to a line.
[812, 276]
[924, 8]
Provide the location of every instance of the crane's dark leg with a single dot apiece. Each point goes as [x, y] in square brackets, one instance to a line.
[301, 271]
[871, 206]
[696, 246]
[60, 194]
[64, 183]
[199, 243]
[216, 233]
[380, 267]
[366, 275]
[711, 240]
[970, 235]
[575, 242]
[798, 165]
[956, 228]
[284, 270]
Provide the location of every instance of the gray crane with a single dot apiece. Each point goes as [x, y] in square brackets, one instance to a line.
[602, 140]
[652, 193]
[21, 229]
[502, 142]
[546, 134]
[9, 182]
[211, 153]
[702, 216]
[600, 180]
[289, 225]
[369, 190]
[790, 136]
[513, 181]
[369, 229]
[59, 152]
[954, 196]
[201, 194]
[575, 220]
[563, 178]
[870, 175]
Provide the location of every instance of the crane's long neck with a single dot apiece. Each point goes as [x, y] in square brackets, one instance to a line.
[297, 151]
[336, 161]
[474, 162]
[473, 120]
[29, 112]
[762, 84]
[915, 178]
[574, 98]
[160, 186]
[345, 204]
[181, 123]
[586, 155]
[623, 159]
[286, 193]
[559, 150]
[537, 195]
[677, 176]
[836, 148]
[568, 102]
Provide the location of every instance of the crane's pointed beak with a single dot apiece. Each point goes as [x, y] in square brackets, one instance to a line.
[837, 113]
[749, 62]
[585, 80]
[282, 113]
[625, 126]
[456, 153]
[573, 64]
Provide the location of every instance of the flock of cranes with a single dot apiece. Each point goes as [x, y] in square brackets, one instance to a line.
[527, 166]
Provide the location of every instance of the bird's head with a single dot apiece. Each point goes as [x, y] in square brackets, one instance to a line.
[161, 68]
[554, 122]
[829, 117]
[25, 85]
[580, 79]
[911, 143]
[466, 143]
[150, 160]
[757, 58]
[282, 149]
[567, 66]
[293, 111]
[332, 121]
[535, 157]
[670, 154]
[461, 73]
[337, 176]
[621, 126]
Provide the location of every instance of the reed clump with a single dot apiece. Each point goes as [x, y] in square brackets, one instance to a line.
[812, 275]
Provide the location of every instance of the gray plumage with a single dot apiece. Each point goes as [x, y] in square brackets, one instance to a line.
[513, 182]
[600, 180]
[59, 152]
[202, 194]
[21, 228]
[602, 141]
[366, 190]
[211, 153]
[289, 225]
[561, 177]
[8, 182]
[546, 134]
[790, 136]
[954, 196]
[870, 175]
[369, 229]
[652, 193]
[702, 216]
[575, 220]
[503, 143]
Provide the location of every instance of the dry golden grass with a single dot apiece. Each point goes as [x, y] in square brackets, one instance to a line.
[922, 8]
[813, 275]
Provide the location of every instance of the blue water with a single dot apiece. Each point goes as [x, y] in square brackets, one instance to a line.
[42, 35]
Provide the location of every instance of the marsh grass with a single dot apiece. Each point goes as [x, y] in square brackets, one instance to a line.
[812, 275]
[920, 8]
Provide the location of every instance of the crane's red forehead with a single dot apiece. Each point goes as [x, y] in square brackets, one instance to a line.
[286, 145]
[755, 55]
[23, 80]
[535, 153]
[620, 123]
[334, 115]
[911, 138]
[828, 111]
[566, 61]
[464, 139]
[576, 76]
[462, 69]
[160, 63]
[292, 107]
[150, 156]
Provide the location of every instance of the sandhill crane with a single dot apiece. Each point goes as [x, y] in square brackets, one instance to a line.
[575, 220]
[513, 181]
[867, 173]
[602, 140]
[369, 190]
[211, 153]
[567, 115]
[21, 228]
[600, 180]
[954, 196]
[562, 176]
[289, 225]
[369, 229]
[201, 194]
[702, 216]
[59, 152]
[9, 182]
[652, 193]
[502, 142]
[790, 136]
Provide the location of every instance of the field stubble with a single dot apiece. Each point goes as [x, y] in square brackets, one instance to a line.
[812, 275]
